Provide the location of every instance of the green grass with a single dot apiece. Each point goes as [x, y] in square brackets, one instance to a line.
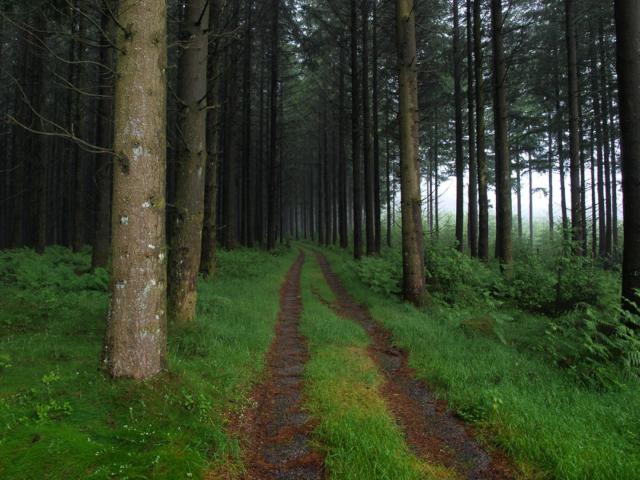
[61, 418]
[358, 435]
[552, 426]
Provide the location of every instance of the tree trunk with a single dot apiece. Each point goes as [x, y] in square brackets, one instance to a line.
[483, 199]
[627, 14]
[530, 166]
[457, 80]
[472, 226]
[355, 136]
[550, 177]
[342, 168]
[186, 243]
[103, 176]
[519, 195]
[209, 231]
[248, 187]
[376, 135]
[272, 212]
[366, 135]
[606, 145]
[412, 249]
[78, 128]
[136, 329]
[574, 134]
[503, 165]
[597, 119]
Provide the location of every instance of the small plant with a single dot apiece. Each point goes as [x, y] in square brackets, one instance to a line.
[50, 378]
[5, 361]
[52, 410]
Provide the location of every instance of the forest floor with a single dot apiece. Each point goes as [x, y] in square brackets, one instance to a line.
[294, 369]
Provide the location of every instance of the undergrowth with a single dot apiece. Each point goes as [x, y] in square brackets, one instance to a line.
[62, 418]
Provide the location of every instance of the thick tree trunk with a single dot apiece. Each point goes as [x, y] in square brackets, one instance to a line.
[355, 136]
[186, 243]
[136, 329]
[627, 14]
[574, 134]
[412, 241]
[483, 199]
[504, 248]
[457, 80]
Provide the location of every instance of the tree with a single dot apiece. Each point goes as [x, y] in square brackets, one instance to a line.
[209, 230]
[504, 249]
[574, 134]
[355, 136]
[186, 243]
[457, 80]
[366, 137]
[412, 248]
[483, 200]
[136, 328]
[102, 241]
[472, 226]
[627, 14]
[272, 210]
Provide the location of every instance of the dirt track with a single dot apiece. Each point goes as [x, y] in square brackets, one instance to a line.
[431, 430]
[277, 431]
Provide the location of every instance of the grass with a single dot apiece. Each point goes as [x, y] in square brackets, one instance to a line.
[356, 431]
[61, 418]
[551, 425]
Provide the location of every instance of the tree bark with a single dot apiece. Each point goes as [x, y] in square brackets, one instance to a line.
[136, 328]
[574, 134]
[504, 248]
[366, 135]
[376, 135]
[457, 80]
[627, 14]
[412, 241]
[209, 231]
[103, 176]
[483, 198]
[342, 166]
[188, 219]
[272, 210]
[355, 136]
[550, 178]
[472, 225]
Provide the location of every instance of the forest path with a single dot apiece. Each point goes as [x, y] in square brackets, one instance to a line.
[276, 431]
[431, 430]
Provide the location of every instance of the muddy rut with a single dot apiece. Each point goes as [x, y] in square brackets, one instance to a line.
[277, 430]
[431, 430]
